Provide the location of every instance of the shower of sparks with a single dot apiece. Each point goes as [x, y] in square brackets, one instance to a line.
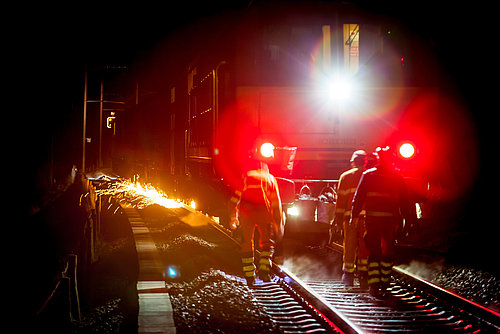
[138, 194]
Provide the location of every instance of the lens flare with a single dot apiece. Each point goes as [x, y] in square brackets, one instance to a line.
[173, 272]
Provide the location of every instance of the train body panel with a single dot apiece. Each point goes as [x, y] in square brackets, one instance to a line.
[326, 134]
[220, 135]
[268, 76]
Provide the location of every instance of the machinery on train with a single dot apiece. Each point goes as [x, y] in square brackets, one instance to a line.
[317, 82]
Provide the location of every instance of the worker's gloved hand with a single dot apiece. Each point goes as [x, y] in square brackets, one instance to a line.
[353, 222]
[405, 231]
[235, 223]
[335, 230]
[331, 232]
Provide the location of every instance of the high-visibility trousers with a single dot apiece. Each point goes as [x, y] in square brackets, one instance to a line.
[380, 236]
[355, 250]
[251, 219]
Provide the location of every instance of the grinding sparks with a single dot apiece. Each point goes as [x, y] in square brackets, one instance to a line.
[140, 195]
[154, 195]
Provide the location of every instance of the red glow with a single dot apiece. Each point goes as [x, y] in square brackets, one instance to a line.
[445, 152]
[236, 140]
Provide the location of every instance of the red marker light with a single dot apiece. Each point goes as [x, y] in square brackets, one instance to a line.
[407, 150]
[267, 150]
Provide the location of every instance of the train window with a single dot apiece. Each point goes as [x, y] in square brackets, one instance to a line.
[326, 47]
[351, 48]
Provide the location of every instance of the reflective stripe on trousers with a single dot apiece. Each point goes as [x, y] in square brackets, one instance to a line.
[373, 273]
[247, 263]
[265, 260]
[363, 265]
[379, 272]
[348, 267]
[385, 271]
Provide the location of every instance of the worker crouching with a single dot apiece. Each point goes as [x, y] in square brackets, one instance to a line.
[258, 206]
[383, 194]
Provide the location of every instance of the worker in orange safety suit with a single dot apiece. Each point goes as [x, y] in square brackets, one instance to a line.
[383, 194]
[258, 205]
[354, 244]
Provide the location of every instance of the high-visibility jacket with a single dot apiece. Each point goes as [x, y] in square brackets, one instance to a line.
[346, 189]
[382, 193]
[260, 189]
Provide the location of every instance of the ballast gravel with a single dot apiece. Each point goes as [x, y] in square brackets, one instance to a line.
[480, 286]
[207, 294]
[216, 303]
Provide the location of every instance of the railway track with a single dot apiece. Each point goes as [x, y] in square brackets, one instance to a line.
[411, 305]
[326, 306]
[404, 310]
[290, 312]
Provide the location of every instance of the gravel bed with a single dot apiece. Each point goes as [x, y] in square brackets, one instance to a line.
[477, 285]
[204, 298]
[480, 286]
[216, 303]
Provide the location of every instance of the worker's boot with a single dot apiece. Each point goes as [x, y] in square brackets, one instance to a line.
[264, 276]
[383, 289]
[348, 279]
[363, 280]
[250, 281]
[375, 289]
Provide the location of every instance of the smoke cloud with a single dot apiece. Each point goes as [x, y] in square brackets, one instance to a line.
[310, 267]
[427, 271]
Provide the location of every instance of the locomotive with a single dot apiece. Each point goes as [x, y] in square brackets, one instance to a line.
[318, 81]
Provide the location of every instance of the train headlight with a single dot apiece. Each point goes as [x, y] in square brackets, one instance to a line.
[292, 211]
[340, 89]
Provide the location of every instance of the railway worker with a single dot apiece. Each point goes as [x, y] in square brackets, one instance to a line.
[383, 194]
[354, 245]
[258, 205]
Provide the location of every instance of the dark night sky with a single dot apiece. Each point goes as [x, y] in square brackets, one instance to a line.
[50, 45]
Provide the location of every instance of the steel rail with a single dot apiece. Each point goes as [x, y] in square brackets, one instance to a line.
[345, 323]
[476, 310]
[327, 312]
[465, 304]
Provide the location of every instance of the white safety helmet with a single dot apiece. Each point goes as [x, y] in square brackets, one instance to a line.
[359, 158]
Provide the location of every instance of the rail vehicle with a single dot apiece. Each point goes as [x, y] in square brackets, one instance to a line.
[318, 81]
